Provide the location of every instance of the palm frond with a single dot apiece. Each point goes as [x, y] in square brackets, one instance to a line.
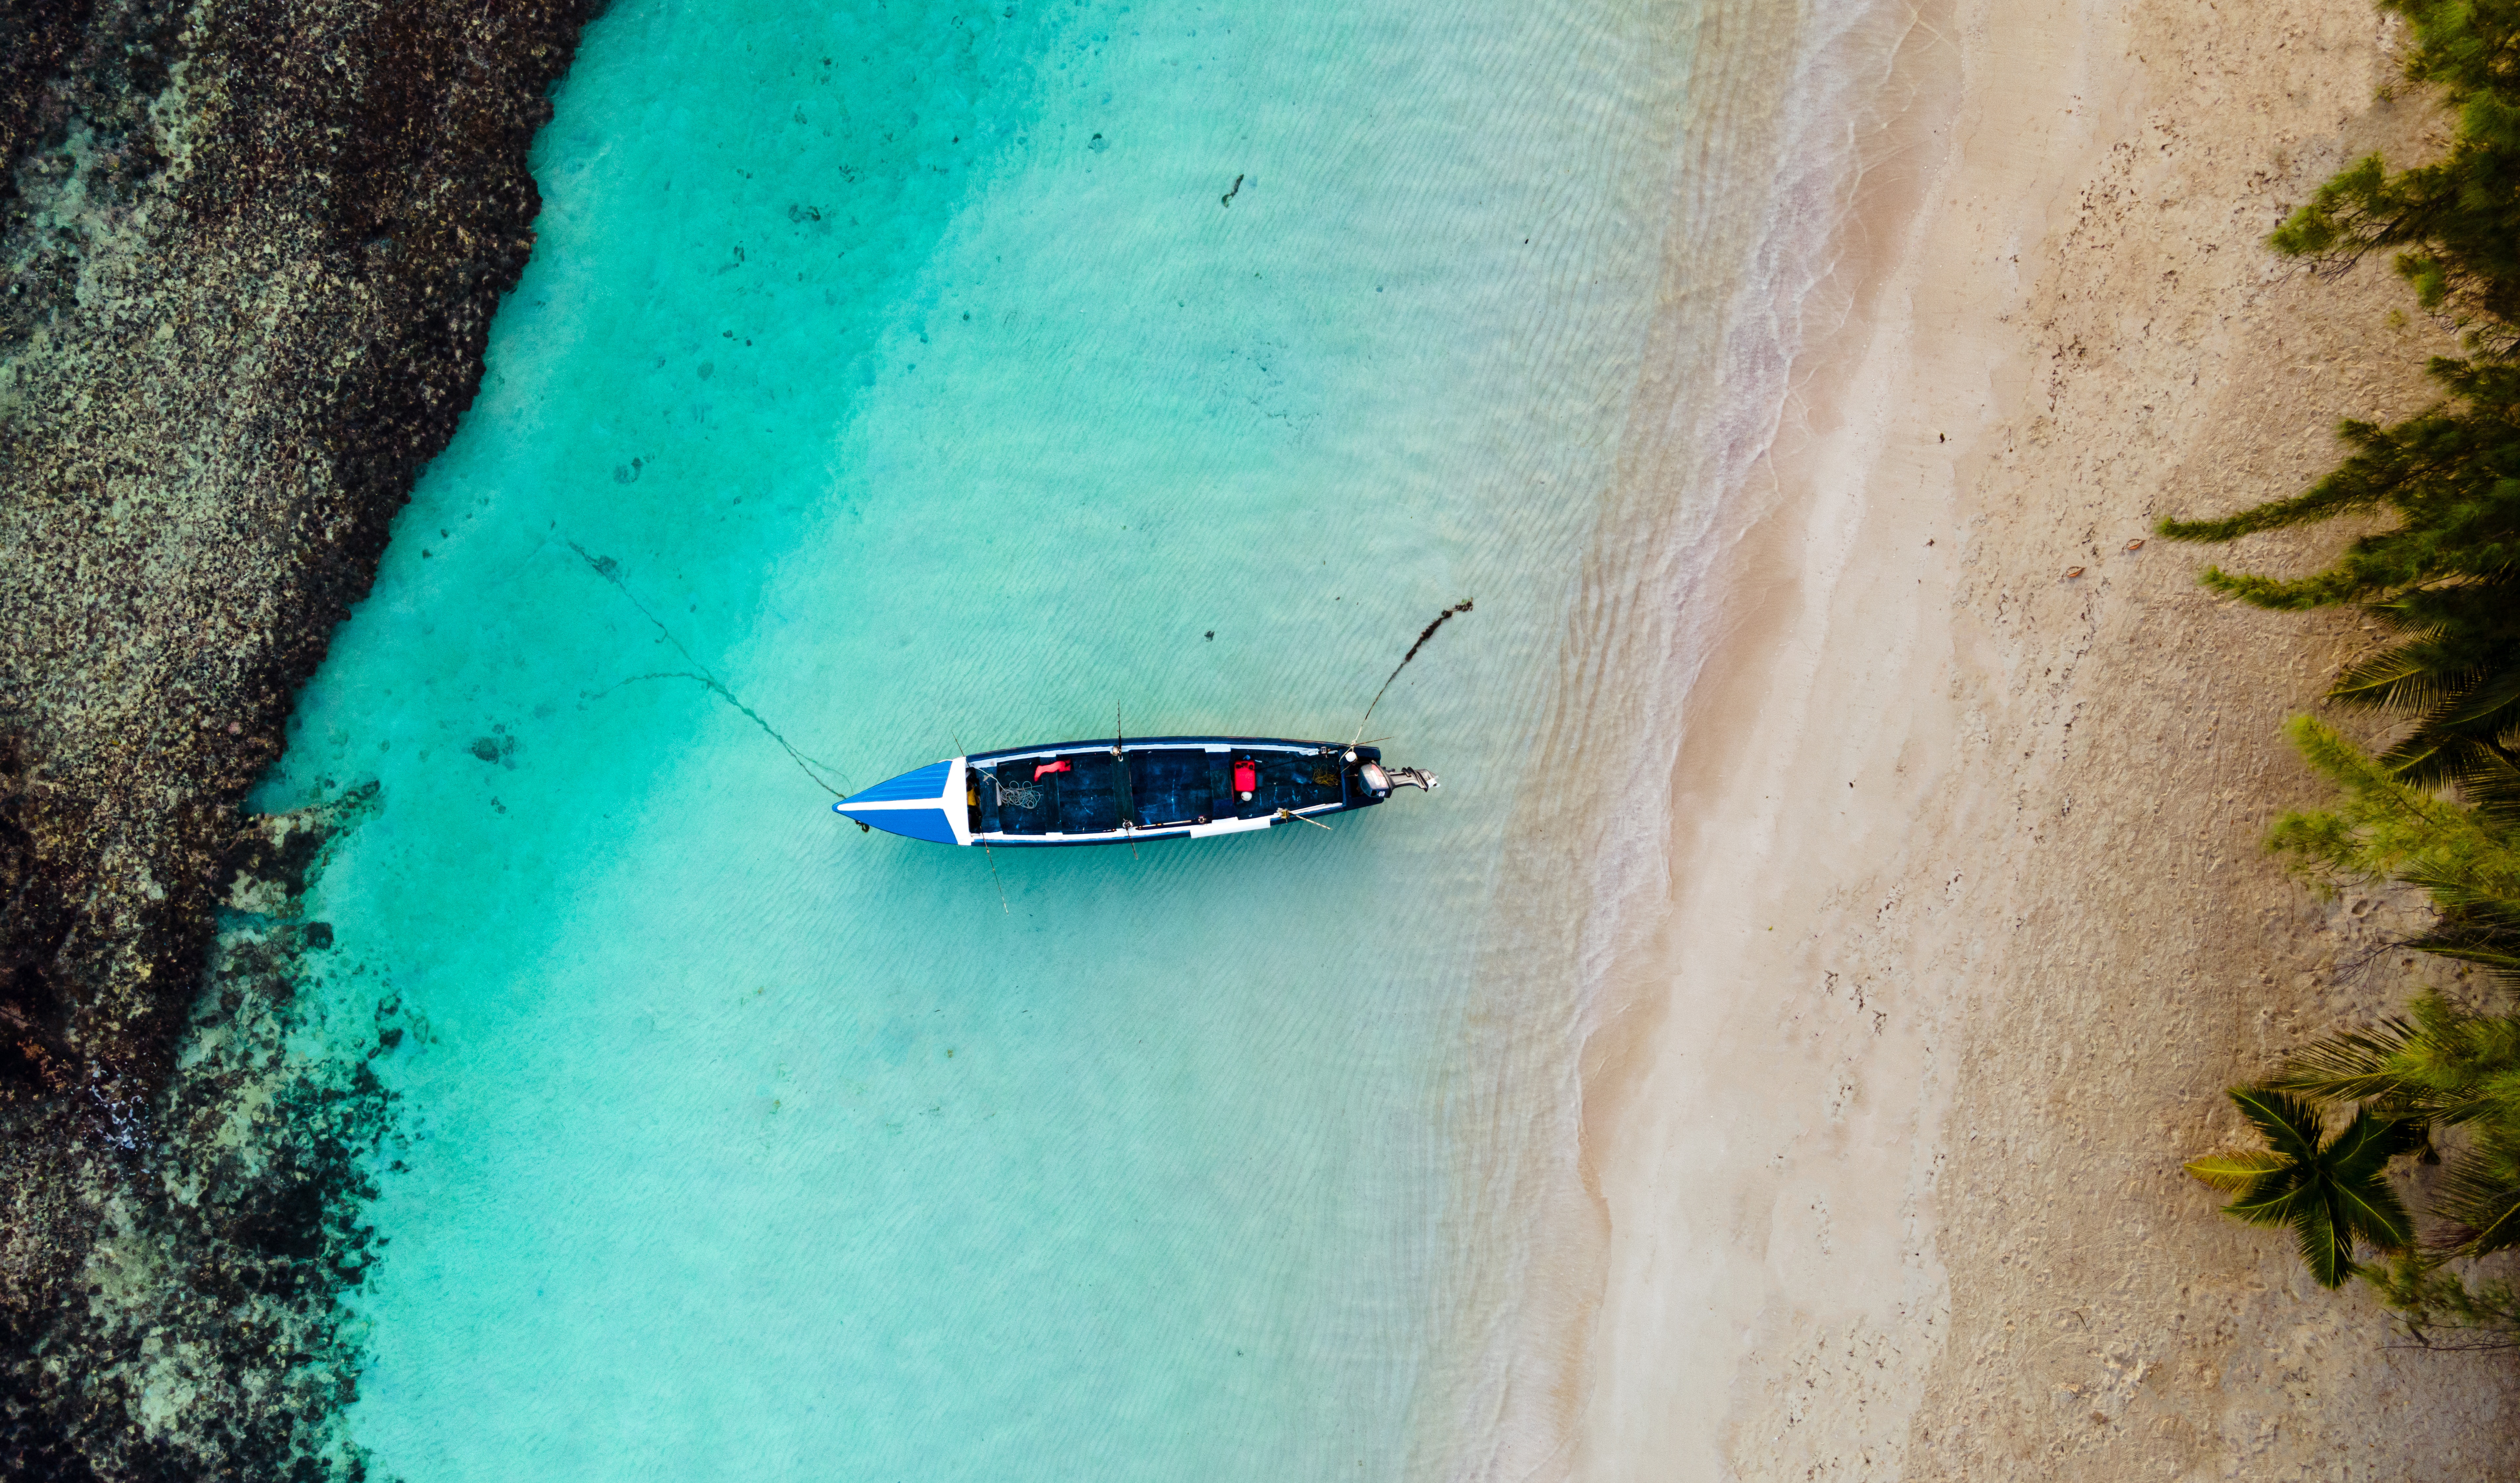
[2325, 1250]
[2281, 1201]
[2402, 676]
[2492, 946]
[2424, 758]
[2459, 1065]
[2478, 1199]
[2289, 1123]
[2372, 1211]
[2236, 1172]
[2355, 1167]
[2484, 700]
[2374, 1137]
[2348, 1067]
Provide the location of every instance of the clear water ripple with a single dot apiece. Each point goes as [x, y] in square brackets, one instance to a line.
[906, 367]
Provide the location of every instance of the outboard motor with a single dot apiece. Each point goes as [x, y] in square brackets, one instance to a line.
[1379, 781]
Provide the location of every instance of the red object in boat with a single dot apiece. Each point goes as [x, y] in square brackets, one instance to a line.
[1246, 776]
[1047, 767]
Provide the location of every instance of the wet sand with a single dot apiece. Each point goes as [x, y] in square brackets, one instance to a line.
[1967, 923]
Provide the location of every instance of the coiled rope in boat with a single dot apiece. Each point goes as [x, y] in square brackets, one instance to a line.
[1024, 794]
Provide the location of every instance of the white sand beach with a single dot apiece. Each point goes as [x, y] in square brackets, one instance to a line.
[1968, 923]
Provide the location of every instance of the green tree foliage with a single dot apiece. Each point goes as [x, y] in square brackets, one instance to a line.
[2329, 1191]
[2476, 1314]
[2442, 1066]
[2456, 219]
[2443, 578]
[2384, 829]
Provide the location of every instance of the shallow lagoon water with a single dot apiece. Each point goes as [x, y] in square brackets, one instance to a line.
[925, 379]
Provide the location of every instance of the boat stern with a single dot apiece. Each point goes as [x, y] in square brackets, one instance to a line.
[1378, 782]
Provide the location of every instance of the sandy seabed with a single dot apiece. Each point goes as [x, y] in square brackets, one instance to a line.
[1969, 922]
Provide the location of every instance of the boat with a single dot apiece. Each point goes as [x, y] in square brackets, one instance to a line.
[1128, 791]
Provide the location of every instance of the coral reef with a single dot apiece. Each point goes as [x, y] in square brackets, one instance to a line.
[248, 254]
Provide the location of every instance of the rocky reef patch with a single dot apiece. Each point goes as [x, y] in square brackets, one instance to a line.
[201, 1333]
[248, 254]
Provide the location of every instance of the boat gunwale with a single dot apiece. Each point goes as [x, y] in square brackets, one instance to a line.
[1178, 829]
[1152, 744]
[964, 769]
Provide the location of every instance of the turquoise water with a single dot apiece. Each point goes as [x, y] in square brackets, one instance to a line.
[923, 376]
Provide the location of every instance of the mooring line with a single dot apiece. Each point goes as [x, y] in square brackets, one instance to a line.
[1428, 632]
[611, 570]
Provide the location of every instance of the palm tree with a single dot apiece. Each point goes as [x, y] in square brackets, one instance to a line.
[2382, 828]
[2442, 578]
[2444, 1066]
[2453, 668]
[2330, 1194]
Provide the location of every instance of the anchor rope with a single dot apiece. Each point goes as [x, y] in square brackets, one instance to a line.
[611, 570]
[1428, 632]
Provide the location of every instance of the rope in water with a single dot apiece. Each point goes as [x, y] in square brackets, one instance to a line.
[611, 570]
[1428, 632]
[1024, 798]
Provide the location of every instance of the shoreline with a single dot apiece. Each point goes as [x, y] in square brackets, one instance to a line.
[1885, 1109]
[1777, 115]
